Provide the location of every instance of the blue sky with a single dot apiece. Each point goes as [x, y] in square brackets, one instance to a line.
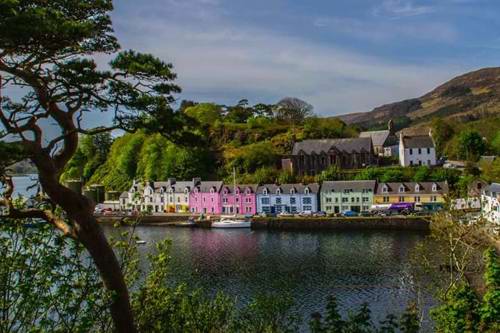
[341, 56]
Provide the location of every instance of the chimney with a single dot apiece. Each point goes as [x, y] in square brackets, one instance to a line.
[196, 181]
[171, 181]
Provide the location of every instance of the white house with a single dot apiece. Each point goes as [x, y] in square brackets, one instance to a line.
[291, 198]
[416, 150]
[490, 199]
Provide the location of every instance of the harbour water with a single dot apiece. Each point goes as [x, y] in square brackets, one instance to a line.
[354, 266]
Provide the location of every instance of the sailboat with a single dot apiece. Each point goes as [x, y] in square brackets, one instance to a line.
[232, 221]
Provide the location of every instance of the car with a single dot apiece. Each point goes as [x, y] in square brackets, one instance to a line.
[285, 214]
[306, 213]
[320, 214]
[350, 213]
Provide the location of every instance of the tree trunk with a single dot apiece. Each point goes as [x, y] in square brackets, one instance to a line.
[80, 210]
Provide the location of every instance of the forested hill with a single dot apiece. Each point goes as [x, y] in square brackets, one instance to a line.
[472, 96]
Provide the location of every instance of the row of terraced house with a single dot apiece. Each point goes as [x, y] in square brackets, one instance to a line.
[215, 197]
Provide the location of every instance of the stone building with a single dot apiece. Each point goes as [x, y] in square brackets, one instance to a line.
[310, 157]
[385, 142]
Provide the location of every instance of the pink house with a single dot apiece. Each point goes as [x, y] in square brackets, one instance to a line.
[238, 200]
[205, 198]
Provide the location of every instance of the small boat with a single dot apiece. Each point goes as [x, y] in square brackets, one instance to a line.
[189, 223]
[230, 222]
[140, 242]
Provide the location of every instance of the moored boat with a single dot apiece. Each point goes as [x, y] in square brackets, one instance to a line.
[230, 222]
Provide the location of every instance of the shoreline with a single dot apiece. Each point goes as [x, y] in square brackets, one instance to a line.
[412, 223]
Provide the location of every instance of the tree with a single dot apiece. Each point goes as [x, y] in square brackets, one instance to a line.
[205, 113]
[327, 128]
[292, 110]
[442, 132]
[48, 48]
[471, 145]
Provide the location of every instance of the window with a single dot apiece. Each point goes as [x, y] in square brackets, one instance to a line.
[428, 162]
[293, 209]
[428, 150]
[266, 209]
[353, 199]
[278, 201]
[433, 198]
[293, 201]
[278, 191]
[306, 191]
[434, 187]
[336, 200]
[417, 199]
[417, 188]
[328, 199]
[385, 189]
[292, 191]
[328, 208]
[307, 207]
[401, 199]
[265, 201]
[357, 199]
[411, 151]
[306, 201]
[411, 163]
[366, 199]
[345, 199]
[419, 151]
[237, 199]
[178, 199]
[264, 192]
[401, 189]
[224, 200]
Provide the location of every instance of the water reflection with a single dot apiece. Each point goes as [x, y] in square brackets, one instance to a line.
[357, 267]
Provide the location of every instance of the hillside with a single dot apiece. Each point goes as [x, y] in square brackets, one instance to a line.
[471, 96]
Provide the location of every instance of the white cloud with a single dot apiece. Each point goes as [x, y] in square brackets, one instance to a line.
[221, 62]
[401, 8]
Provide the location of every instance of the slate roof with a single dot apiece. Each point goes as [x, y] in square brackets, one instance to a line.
[205, 186]
[124, 195]
[493, 188]
[425, 188]
[379, 138]
[242, 187]
[419, 141]
[179, 187]
[324, 145]
[355, 185]
[286, 188]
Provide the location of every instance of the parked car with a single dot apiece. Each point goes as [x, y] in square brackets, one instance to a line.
[306, 213]
[285, 214]
[350, 213]
[320, 214]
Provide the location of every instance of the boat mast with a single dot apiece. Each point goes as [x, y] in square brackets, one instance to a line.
[234, 190]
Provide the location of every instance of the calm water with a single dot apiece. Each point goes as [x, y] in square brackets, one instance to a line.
[356, 267]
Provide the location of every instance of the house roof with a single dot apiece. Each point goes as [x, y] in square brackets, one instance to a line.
[418, 141]
[425, 188]
[242, 187]
[378, 137]
[355, 185]
[493, 187]
[205, 186]
[179, 187]
[324, 145]
[124, 195]
[489, 159]
[286, 188]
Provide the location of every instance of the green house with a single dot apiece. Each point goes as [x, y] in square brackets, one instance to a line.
[341, 196]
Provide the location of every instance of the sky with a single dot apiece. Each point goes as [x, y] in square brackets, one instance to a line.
[340, 56]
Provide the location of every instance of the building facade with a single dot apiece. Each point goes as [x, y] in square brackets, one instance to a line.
[490, 199]
[310, 157]
[416, 150]
[239, 199]
[287, 198]
[341, 196]
[205, 198]
[430, 195]
[176, 195]
[385, 142]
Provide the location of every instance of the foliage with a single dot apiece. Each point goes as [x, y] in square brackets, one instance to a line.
[252, 157]
[330, 174]
[47, 282]
[360, 321]
[205, 113]
[292, 110]
[150, 157]
[327, 128]
[470, 145]
[442, 132]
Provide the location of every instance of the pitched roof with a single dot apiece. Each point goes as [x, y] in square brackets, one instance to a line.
[324, 145]
[425, 188]
[355, 185]
[286, 188]
[242, 187]
[378, 137]
[493, 187]
[418, 141]
[124, 195]
[205, 186]
[179, 187]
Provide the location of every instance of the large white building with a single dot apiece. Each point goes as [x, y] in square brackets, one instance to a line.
[416, 150]
[490, 199]
[289, 198]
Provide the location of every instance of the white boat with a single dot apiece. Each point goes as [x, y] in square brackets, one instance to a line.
[140, 242]
[230, 222]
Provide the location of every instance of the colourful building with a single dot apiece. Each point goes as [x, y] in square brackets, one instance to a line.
[287, 198]
[177, 195]
[239, 199]
[491, 203]
[205, 197]
[341, 196]
[431, 195]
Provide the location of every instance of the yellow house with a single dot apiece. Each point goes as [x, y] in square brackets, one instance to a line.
[430, 194]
